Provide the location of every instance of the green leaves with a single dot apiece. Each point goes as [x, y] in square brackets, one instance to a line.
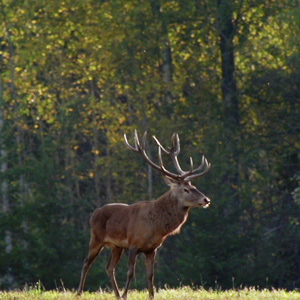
[76, 75]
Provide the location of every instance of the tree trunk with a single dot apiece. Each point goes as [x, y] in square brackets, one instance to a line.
[9, 278]
[96, 150]
[167, 66]
[4, 187]
[109, 194]
[229, 86]
[227, 32]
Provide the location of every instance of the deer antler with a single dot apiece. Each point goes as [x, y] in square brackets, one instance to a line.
[140, 148]
[173, 152]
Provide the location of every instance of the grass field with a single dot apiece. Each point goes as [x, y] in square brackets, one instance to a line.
[184, 293]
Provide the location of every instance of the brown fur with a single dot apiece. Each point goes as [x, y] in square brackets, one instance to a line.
[142, 225]
[139, 227]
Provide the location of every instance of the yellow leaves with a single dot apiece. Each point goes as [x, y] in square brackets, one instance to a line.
[18, 69]
[122, 120]
[108, 16]
[96, 151]
[186, 55]
[269, 38]
[171, 7]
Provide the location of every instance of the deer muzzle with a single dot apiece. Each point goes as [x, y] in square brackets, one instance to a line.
[206, 202]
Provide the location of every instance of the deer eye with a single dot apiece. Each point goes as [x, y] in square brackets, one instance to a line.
[186, 190]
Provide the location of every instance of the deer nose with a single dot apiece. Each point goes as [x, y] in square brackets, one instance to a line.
[206, 200]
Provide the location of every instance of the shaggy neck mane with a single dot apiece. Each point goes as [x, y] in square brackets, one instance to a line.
[170, 216]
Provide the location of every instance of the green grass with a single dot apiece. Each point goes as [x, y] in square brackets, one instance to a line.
[184, 293]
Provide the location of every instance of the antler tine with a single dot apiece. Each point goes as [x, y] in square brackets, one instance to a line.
[176, 144]
[136, 139]
[142, 150]
[192, 165]
[144, 138]
[140, 147]
[129, 146]
[174, 152]
[161, 164]
[160, 145]
[205, 166]
[160, 158]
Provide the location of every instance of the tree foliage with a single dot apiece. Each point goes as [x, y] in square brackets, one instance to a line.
[76, 75]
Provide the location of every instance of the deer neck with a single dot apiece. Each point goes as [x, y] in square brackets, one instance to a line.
[172, 215]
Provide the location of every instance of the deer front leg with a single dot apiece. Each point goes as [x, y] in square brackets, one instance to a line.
[131, 269]
[116, 254]
[150, 257]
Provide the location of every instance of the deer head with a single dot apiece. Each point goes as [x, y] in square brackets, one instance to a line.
[180, 183]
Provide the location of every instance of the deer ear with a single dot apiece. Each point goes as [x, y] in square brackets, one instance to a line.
[170, 181]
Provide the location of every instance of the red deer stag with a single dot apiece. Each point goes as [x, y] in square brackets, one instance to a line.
[144, 226]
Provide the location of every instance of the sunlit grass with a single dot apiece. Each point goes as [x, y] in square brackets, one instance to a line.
[184, 293]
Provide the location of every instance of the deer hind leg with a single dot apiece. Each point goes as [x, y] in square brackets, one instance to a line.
[150, 257]
[115, 257]
[131, 269]
[94, 250]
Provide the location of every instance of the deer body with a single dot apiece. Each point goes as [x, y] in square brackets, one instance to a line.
[143, 226]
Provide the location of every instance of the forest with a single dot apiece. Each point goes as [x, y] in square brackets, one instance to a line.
[75, 75]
